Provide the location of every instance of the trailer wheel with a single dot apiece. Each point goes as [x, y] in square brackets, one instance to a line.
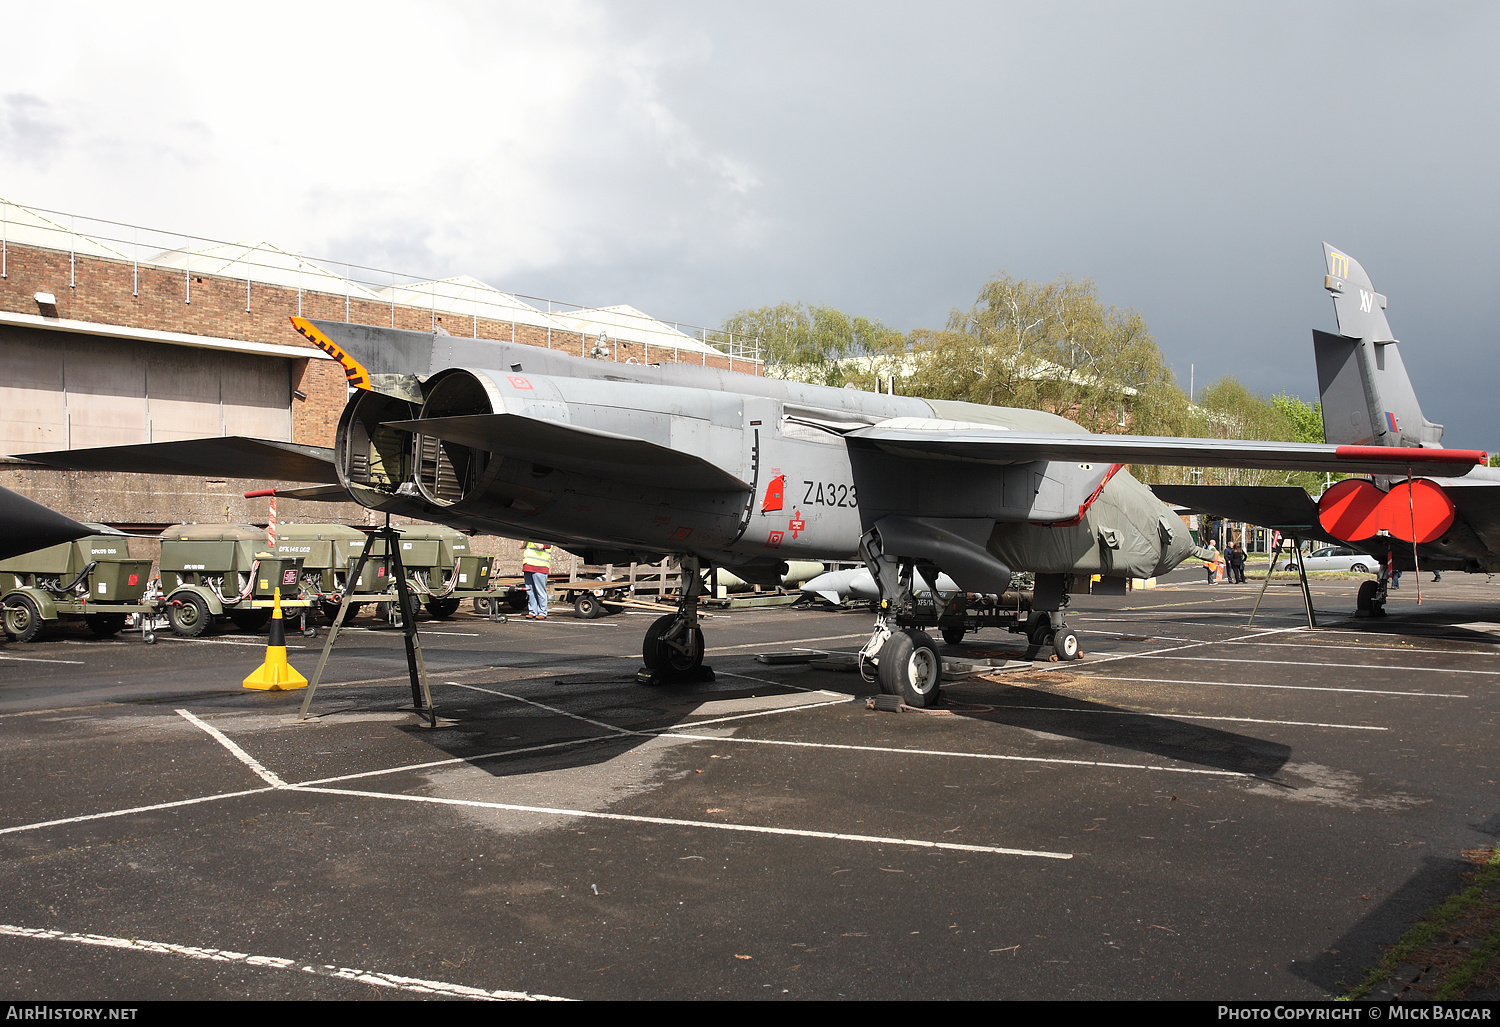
[103, 625]
[189, 615]
[250, 620]
[953, 634]
[442, 609]
[587, 605]
[23, 621]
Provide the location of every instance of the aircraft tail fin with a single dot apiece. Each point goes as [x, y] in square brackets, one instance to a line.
[1367, 396]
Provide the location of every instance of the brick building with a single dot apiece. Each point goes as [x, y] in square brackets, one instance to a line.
[106, 341]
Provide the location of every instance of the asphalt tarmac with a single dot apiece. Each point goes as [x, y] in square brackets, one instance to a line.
[1199, 809]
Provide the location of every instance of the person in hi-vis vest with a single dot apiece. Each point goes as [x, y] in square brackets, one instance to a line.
[534, 566]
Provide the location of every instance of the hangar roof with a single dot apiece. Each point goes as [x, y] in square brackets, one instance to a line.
[259, 261]
[628, 324]
[471, 298]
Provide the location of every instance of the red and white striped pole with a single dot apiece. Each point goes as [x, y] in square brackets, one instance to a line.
[271, 526]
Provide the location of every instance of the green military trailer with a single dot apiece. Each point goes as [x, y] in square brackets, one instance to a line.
[94, 578]
[441, 569]
[217, 571]
[327, 552]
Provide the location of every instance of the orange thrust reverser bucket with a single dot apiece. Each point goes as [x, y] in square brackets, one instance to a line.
[1415, 511]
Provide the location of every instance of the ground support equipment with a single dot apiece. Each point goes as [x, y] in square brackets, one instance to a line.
[421, 693]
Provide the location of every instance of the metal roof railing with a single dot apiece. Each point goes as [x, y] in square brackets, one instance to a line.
[261, 262]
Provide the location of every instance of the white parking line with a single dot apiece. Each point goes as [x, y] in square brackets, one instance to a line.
[1309, 663]
[1364, 646]
[1193, 716]
[37, 659]
[1295, 688]
[945, 752]
[240, 754]
[706, 824]
[380, 980]
[133, 809]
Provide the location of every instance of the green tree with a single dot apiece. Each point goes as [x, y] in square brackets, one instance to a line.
[820, 344]
[1306, 419]
[1052, 346]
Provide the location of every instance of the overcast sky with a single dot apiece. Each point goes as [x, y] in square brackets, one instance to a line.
[693, 159]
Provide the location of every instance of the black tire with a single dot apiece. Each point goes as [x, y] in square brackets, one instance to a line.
[23, 619]
[104, 625]
[1364, 599]
[250, 620]
[953, 633]
[331, 611]
[1040, 631]
[1360, 568]
[189, 615]
[659, 656]
[911, 667]
[516, 599]
[587, 606]
[1065, 645]
[441, 609]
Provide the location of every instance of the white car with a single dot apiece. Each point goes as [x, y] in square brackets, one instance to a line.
[1339, 558]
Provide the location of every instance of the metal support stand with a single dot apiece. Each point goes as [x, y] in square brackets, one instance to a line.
[1312, 620]
[421, 694]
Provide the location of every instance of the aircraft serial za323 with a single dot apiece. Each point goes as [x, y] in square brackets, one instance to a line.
[620, 462]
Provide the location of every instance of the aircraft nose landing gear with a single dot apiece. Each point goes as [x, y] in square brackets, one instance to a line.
[672, 650]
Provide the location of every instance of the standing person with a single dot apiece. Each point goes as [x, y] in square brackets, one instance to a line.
[1236, 564]
[1212, 565]
[1220, 567]
[535, 564]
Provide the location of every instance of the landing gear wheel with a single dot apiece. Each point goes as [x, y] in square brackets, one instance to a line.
[23, 621]
[1365, 601]
[953, 634]
[189, 615]
[103, 625]
[441, 609]
[587, 606]
[250, 620]
[911, 668]
[517, 600]
[660, 655]
[1065, 645]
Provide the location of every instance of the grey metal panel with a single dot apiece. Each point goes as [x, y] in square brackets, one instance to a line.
[105, 385]
[33, 410]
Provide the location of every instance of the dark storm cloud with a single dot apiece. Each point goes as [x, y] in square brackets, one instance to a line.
[1187, 158]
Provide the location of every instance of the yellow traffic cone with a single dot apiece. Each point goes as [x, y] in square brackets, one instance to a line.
[276, 674]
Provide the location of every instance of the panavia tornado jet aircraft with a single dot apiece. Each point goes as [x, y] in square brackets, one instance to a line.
[1397, 516]
[620, 462]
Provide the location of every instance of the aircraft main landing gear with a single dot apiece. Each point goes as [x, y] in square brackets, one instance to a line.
[1370, 602]
[905, 660]
[673, 647]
